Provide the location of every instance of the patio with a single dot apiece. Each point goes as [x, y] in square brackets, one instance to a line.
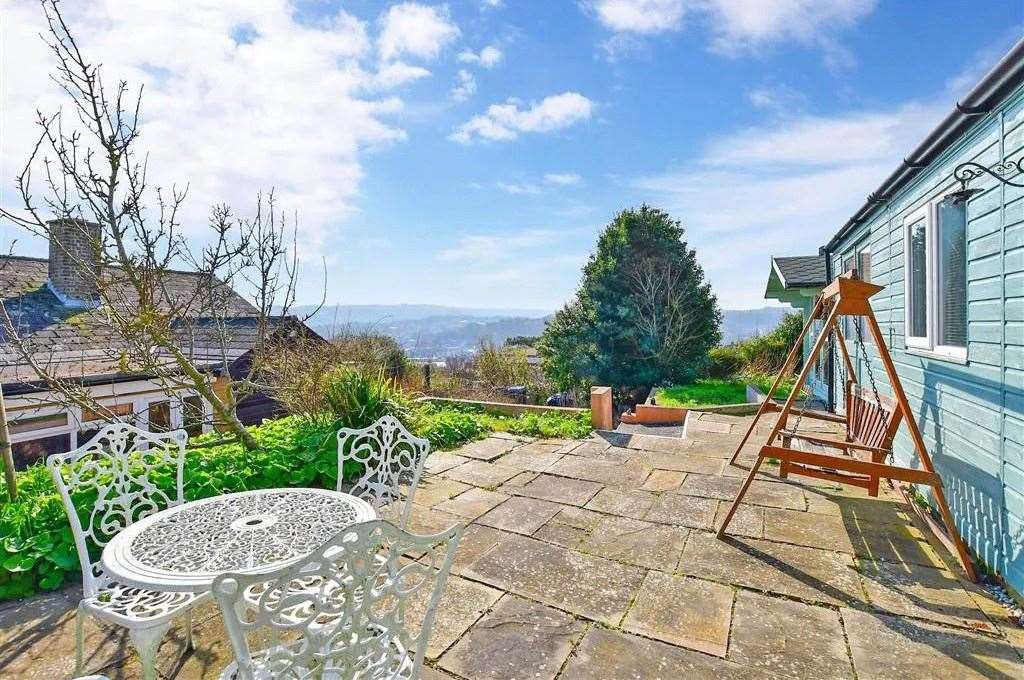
[595, 559]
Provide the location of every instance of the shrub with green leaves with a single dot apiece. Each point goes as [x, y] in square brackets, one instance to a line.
[358, 399]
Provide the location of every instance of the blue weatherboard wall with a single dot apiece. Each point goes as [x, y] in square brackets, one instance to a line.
[971, 414]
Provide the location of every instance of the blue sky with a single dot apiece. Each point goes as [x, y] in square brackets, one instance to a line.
[468, 153]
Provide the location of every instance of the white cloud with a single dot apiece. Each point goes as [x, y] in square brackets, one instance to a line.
[783, 188]
[562, 178]
[744, 25]
[488, 57]
[491, 4]
[735, 25]
[226, 117]
[506, 121]
[517, 188]
[478, 247]
[416, 30]
[397, 73]
[640, 16]
[465, 86]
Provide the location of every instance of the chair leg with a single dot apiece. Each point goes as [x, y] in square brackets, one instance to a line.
[147, 643]
[79, 640]
[189, 642]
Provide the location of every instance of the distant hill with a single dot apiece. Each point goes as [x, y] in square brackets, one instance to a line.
[740, 324]
[437, 331]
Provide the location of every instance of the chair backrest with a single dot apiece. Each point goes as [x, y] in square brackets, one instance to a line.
[870, 422]
[113, 476]
[389, 456]
[354, 608]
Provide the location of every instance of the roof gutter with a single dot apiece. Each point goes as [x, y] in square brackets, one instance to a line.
[1004, 77]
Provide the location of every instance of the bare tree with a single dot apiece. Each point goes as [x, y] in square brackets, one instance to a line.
[92, 173]
[665, 309]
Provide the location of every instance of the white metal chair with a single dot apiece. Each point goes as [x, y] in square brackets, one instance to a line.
[390, 456]
[113, 473]
[356, 623]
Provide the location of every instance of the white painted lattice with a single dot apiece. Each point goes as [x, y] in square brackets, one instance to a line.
[390, 455]
[364, 618]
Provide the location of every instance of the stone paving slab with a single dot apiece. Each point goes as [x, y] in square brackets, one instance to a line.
[664, 480]
[611, 655]
[788, 639]
[592, 587]
[560, 489]
[748, 520]
[472, 503]
[622, 502]
[434, 490]
[644, 544]
[521, 515]
[769, 494]
[922, 592]
[476, 540]
[480, 473]
[601, 471]
[516, 639]
[688, 511]
[462, 603]
[442, 461]
[532, 458]
[702, 624]
[892, 648]
[683, 462]
[804, 573]
[486, 449]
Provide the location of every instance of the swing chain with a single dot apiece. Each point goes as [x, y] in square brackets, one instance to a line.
[867, 362]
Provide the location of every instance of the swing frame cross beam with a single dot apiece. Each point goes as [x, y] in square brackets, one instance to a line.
[846, 296]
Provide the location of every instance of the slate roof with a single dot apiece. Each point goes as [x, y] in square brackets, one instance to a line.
[82, 343]
[804, 271]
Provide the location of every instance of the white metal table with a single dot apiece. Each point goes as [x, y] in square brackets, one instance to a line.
[184, 548]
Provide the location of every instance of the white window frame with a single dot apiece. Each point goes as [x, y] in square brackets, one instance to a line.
[926, 344]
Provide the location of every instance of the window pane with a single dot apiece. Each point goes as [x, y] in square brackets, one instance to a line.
[120, 410]
[952, 247]
[27, 453]
[864, 272]
[917, 281]
[33, 423]
[159, 416]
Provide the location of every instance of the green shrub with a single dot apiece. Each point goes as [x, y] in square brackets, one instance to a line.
[725, 361]
[448, 425]
[358, 399]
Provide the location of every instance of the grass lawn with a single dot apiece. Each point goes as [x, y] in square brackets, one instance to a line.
[717, 391]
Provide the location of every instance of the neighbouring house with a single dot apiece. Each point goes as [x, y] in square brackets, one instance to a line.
[797, 281]
[952, 311]
[48, 300]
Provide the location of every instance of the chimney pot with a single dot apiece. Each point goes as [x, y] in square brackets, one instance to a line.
[75, 261]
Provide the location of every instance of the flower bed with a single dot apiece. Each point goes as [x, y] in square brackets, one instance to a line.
[37, 549]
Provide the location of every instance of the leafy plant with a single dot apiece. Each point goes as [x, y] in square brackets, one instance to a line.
[357, 399]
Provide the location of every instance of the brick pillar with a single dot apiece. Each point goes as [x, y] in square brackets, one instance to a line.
[601, 408]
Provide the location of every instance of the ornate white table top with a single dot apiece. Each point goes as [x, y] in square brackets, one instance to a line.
[184, 548]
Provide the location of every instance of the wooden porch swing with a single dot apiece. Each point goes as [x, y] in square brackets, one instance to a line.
[871, 420]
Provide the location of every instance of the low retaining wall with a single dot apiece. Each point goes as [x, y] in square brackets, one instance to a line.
[506, 409]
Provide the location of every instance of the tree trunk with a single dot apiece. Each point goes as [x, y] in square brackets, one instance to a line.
[5, 451]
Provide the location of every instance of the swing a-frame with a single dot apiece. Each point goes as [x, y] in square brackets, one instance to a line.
[871, 424]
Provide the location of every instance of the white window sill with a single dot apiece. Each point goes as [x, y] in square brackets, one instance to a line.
[940, 356]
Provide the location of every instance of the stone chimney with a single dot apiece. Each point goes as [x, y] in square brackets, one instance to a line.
[75, 261]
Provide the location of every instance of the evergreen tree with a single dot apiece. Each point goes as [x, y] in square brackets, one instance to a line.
[643, 314]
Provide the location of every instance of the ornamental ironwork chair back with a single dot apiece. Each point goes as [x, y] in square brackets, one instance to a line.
[120, 476]
[387, 456]
[115, 477]
[369, 616]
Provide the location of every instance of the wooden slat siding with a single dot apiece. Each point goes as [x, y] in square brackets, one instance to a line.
[971, 416]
